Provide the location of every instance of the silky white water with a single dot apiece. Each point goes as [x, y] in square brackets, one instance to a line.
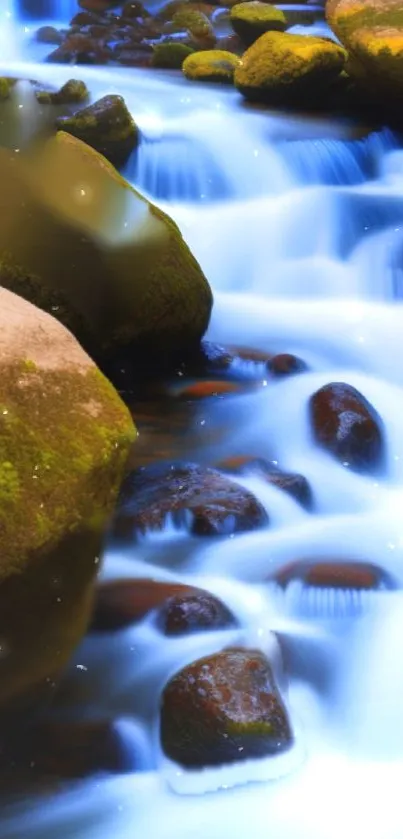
[298, 225]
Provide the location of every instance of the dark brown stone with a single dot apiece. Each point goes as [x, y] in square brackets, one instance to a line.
[286, 364]
[49, 35]
[133, 9]
[347, 425]
[193, 611]
[291, 482]
[224, 708]
[335, 573]
[85, 19]
[218, 506]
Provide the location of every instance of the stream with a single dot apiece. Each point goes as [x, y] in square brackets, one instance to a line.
[297, 223]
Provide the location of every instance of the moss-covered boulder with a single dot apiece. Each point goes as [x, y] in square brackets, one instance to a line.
[224, 708]
[64, 442]
[211, 66]
[283, 69]
[170, 56]
[78, 241]
[252, 19]
[372, 31]
[72, 92]
[196, 23]
[107, 126]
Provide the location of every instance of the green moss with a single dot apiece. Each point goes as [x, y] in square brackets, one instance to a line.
[170, 56]
[9, 483]
[211, 66]
[251, 19]
[73, 92]
[194, 22]
[5, 88]
[63, 447]
[287, 69]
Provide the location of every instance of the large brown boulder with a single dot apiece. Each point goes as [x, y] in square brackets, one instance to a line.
[372, 31]
[78, 241]
[64, 441]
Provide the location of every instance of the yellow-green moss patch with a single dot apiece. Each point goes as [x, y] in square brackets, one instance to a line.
[211, 66]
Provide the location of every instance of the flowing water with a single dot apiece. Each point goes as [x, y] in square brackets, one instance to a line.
[298, 224]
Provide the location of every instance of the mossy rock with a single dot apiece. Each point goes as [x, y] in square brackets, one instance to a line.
[194, 22]
[252, 19]
[64, 442]
[107, 126]
[282, 69]
[170, 56]
[71, 93]
[211, 66]
[372, 32]
[79, 241]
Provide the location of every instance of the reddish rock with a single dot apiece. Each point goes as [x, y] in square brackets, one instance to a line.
[251, 354]
[335, 573]
[120, 603]
[80, 49]
[217, 506]
[291, 482]
[193, 611]
[224, 708]
[286, 364]
[98, 5]
[346, 425]
[206, 389]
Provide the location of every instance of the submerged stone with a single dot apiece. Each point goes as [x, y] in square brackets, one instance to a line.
[64, 441]
[286, 364]
[336, 574]
[202, 499]
[77, 240]
[224, 708]
[347, 426]
[293, 483]
[107, 126]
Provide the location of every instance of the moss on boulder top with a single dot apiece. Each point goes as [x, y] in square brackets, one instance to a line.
[252, 19]
[372, 31]
[79, 241]
[283, 69]
[64, 442]
[211, 66]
